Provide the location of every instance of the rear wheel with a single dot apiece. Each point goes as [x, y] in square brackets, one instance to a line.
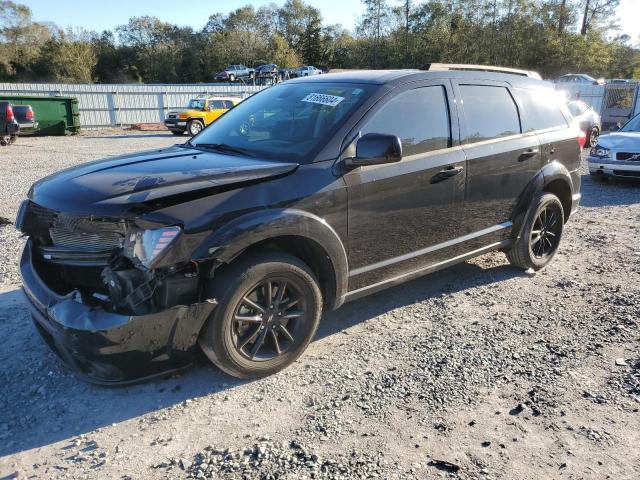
[232, 78]
[594, 134]
[268, 312]
[194, 127]
[541, 234]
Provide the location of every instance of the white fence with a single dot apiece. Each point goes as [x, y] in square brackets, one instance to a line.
[594, 94]
[590, 94]
[115, 105]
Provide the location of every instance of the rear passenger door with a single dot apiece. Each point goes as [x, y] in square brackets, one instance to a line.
[501, 159]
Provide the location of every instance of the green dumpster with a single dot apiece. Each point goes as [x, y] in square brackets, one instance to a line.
[55, 115]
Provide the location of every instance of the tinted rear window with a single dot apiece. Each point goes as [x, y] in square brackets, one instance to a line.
[542, 109]
[420, 118]
[490, 112]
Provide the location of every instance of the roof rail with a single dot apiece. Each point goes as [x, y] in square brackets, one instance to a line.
[439, 67]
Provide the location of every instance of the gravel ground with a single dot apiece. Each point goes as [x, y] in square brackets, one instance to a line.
[478, 371]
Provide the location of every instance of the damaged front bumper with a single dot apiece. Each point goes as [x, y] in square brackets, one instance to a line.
[109, 348]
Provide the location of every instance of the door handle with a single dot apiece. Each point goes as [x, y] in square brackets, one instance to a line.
[527, 154]
[446, 173]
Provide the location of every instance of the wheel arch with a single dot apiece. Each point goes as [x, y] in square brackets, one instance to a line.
[296, 232]
[552, 178]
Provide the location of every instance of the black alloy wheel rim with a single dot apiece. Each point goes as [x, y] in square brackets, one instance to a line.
[269, 319]
[545, 234]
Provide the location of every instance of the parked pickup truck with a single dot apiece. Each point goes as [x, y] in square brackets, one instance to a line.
[198, 114]
[24, 116]
[234, 73]
[9, 127]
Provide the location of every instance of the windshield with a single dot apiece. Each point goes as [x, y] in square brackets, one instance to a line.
[288, 121]
[196, 104]
[632, 125]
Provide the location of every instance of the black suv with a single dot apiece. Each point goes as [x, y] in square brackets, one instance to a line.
[308, 194]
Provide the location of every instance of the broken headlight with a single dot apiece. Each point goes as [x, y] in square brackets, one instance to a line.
[147, 246]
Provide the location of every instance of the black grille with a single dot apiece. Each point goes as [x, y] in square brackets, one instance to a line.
[628, 156]
[81, 233]
[72, 232]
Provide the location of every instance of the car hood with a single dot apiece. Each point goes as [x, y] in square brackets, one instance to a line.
[621, 141]
[114, 185]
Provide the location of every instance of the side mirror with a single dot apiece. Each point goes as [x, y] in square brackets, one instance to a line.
[376, 149]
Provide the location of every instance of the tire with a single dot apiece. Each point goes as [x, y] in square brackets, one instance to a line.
[194, 127]
[234, 345]
[592, 137]
[177, 132]
[547, 218]
[5, 140]
[232, 78]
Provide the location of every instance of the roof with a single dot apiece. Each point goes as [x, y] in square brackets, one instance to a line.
[382, 77]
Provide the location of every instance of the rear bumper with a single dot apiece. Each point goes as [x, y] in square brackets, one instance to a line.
[109, 348]
[28, 126]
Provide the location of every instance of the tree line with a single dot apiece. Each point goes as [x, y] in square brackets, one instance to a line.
[550, 36]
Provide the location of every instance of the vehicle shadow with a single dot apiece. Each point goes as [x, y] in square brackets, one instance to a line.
[612, 192]
[43, 402]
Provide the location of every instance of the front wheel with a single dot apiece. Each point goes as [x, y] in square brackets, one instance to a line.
[541, 234]
[269, 307]
[194, 127]
[232, 78]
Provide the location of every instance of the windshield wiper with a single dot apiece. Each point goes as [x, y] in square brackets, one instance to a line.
[222, 147]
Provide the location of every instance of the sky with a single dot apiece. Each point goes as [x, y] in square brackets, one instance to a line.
[108, 14]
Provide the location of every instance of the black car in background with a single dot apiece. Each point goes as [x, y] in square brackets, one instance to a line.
[309, 194]
[9, 127]
[25, 117]
[588, 119]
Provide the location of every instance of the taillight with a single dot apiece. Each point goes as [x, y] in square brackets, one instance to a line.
[29, 114]
[582, 138]
[9, 113]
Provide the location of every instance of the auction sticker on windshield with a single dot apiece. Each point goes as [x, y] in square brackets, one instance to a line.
[323, 99]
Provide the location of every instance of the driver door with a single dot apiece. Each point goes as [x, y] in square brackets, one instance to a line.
[404, 216]
[215, 109]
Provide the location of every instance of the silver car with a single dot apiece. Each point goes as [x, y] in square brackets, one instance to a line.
[617, 154]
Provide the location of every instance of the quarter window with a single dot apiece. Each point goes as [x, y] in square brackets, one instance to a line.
[419, 117]
[490, 112]
[542, 108]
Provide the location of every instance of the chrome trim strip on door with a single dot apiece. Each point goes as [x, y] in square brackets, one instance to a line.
[352, 295]
[432, 248]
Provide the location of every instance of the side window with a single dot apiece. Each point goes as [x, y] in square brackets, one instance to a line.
[542, 108]
[490, 112]
[228, 104]
[420, 118]
[216, 104]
